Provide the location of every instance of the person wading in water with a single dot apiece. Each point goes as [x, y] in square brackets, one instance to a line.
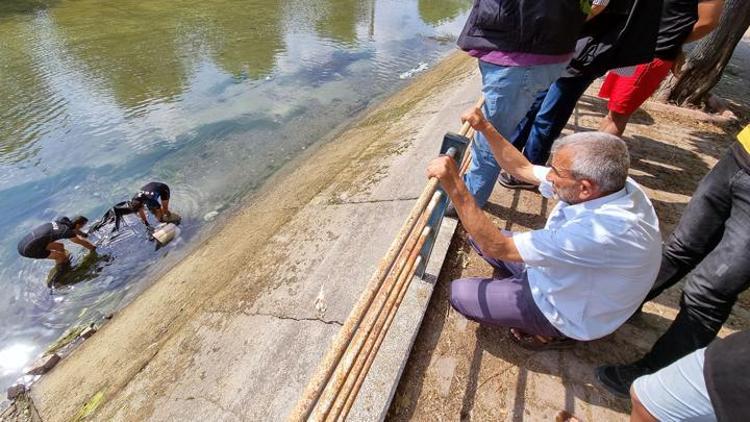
[44, 241]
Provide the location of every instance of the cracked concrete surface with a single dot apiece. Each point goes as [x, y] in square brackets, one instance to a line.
[234, 331]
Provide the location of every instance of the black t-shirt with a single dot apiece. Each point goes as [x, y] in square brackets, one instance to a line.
[727, 373]
[50, 232]
[623, 34]
[151, 192]
[677, 20]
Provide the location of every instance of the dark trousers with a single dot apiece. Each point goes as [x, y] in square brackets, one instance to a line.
[711, 245]
[548, 116]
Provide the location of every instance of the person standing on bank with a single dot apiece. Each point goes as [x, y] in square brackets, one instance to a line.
[682, 22]
[44, 241]
[622, 36]
[521, 47]
[709, 248]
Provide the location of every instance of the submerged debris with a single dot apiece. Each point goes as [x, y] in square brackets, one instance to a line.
[15, 391]
[44, 364]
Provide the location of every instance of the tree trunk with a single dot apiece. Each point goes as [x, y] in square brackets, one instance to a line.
[706, 62]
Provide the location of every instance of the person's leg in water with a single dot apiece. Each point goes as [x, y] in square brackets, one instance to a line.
[58, 253]
[157, 212]
[164, 208]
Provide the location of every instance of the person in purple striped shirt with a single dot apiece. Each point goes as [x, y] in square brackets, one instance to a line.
[521, 47]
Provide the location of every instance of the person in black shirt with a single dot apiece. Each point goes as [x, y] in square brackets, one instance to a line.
[624, 34]
[711, 383]
[150, 195]
[708, 248]
[682, 21]
[43, 241]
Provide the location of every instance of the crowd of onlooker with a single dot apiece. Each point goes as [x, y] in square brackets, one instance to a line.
[600, 256]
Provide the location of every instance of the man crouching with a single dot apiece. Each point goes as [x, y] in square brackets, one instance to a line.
[587, 271]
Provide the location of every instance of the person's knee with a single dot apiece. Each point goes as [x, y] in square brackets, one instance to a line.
[706, 304]
[454, 293]
[639, 412]
[458, 295]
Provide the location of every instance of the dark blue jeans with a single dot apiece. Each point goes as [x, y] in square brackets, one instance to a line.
[709, 248]
[547, 117]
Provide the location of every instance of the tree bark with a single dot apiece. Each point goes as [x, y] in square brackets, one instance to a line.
[705, 63]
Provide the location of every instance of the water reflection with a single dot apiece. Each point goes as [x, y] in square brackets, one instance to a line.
[210, 97]
[437, 12]
[11, 7]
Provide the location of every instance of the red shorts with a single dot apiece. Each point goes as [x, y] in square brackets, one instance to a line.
[627, 93]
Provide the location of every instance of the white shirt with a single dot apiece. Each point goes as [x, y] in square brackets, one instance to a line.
[593, 263]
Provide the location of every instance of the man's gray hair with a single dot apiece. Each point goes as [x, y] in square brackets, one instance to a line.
[599, 157]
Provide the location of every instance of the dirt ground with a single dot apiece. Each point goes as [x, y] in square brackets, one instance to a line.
[459, 370]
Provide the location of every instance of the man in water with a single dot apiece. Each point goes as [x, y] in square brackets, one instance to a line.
[43, 241]
[149, 195]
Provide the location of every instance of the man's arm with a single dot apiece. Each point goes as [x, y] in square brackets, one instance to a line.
[489, 239]
[709, 13]
[142, 214]
[509, 158]
[83, 242]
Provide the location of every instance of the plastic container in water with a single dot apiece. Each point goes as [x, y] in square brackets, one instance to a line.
[165, 232]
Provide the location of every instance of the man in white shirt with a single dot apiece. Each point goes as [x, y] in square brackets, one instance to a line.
[588, 270]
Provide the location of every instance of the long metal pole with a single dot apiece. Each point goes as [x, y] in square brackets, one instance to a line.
[408, 277]
[340, 374]
[323, 373]
[318, 382]
[360, 357]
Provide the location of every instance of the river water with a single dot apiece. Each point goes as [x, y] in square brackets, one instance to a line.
[98, 97]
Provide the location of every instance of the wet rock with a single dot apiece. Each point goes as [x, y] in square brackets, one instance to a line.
[87, 332]
[43, 364]
[15, 391]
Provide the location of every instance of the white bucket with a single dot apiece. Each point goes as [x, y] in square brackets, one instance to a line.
[165, 232]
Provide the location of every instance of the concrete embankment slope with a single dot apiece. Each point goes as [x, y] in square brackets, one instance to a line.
[235, 330]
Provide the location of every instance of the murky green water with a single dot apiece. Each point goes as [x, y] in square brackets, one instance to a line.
[98, 97]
